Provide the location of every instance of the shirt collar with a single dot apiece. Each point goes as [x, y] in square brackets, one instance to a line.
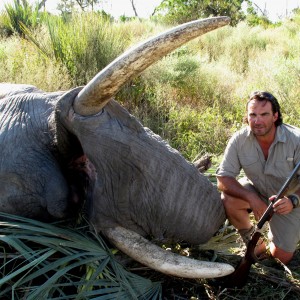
[280, 134]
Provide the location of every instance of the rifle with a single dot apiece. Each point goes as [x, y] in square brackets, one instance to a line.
[239, 277]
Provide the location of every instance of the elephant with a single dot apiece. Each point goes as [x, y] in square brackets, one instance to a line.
[79, 150]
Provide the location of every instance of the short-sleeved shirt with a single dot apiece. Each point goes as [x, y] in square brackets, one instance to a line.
[268, 176]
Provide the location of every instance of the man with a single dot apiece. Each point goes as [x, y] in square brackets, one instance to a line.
[267, 150]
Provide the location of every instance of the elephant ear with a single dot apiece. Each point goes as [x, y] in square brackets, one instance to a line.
[108, 82]
[148, 254]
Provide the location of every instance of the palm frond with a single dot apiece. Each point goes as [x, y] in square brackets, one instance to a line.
[52, 261]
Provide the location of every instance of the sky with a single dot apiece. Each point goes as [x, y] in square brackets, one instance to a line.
[276, 9]
[116, 8]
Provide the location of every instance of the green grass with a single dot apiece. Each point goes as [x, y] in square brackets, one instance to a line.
[65, 261]
[52, 261]
[196, 92]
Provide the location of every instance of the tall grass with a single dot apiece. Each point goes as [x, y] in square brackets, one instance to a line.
[207, 82]
[195, 97]
[21, 63]
[84, 44]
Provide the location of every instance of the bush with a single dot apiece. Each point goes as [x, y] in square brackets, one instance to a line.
[20, 14]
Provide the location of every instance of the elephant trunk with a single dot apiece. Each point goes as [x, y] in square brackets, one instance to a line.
[95, 95]
[161, 260]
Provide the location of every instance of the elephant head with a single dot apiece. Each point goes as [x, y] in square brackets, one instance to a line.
[136, 184]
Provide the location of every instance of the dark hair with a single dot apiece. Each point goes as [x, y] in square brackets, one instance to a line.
[266, 96]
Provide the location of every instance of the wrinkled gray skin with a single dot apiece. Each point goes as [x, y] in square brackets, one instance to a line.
[142, 183]
[137, 180]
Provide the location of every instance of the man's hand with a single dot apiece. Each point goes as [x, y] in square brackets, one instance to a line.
[257, 206]
[282, 206]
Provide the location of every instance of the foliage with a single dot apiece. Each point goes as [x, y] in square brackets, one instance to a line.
[22, 13]
[254, 19]
[5, 25]
[84, 44]
[191, 97]
[86, 3]
[48, 261]
[296, 15]
[66, 7]
[21, 63]
[189, 131]
[181, 11]
[56, 261]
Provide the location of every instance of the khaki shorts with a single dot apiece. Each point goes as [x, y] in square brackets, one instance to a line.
[284, 229]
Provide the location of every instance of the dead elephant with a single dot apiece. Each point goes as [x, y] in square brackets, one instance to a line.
[138, 185]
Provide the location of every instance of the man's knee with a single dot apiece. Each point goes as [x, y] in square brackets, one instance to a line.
[232, 204]
[227, 201]
[284, 256]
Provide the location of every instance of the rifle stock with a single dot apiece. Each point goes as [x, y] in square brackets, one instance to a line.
[239, 277]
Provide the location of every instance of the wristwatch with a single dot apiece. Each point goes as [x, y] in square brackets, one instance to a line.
[295, 199]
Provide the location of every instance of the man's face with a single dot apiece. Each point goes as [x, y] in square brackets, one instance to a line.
[261, 118]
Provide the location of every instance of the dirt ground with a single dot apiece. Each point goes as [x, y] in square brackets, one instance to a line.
[268, 279]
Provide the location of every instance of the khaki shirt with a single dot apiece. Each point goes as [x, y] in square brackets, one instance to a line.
[244, 153]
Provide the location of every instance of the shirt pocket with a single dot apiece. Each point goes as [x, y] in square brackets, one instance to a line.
[278, 172]
[251, 166]
[282, 169]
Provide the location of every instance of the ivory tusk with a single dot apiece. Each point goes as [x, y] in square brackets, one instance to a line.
[95, 95]
[147, 253]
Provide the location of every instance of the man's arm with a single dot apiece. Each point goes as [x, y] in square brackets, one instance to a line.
[231, 187]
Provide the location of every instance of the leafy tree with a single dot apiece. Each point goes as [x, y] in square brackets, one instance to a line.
[253, 18]
[180, 11]
[66, 7]
[86, 3]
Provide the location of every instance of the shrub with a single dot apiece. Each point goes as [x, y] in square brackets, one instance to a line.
[22, 14]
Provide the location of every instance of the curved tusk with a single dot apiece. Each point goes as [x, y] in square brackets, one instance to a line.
[94, 96]
[161, 260]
